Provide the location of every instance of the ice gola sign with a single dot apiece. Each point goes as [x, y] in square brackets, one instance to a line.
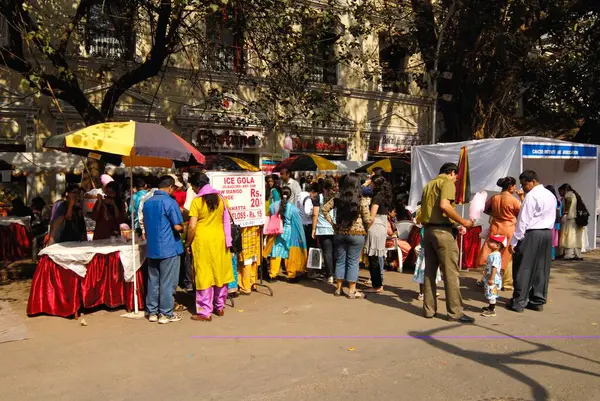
[244, 193]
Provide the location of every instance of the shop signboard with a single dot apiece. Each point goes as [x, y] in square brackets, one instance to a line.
[558, 151]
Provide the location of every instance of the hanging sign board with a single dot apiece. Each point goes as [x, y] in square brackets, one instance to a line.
[558, 151]
[245, 194]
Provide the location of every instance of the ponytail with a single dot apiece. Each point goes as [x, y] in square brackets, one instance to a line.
[286, 193]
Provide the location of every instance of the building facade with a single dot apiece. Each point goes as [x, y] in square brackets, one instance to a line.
[379, 117]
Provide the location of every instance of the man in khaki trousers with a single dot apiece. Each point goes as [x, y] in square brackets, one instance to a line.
[439, 217]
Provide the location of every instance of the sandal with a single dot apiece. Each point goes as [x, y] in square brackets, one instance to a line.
[356, 295]
[375, 290]
[338, 293]
[179, 308]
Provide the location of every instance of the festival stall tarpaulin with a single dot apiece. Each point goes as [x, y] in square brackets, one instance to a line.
[245, 193]
[556, 162]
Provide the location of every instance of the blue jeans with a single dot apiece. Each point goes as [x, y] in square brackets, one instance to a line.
[347, 256]
[162, 283]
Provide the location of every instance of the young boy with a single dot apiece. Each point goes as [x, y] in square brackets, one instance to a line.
[493, 274]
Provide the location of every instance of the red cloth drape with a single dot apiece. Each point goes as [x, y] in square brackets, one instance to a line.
[414, 239]
[60, 292]
[54, 290]
[472, 244]
[14, 242]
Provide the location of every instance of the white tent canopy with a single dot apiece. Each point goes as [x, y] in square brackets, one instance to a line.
[490, 159]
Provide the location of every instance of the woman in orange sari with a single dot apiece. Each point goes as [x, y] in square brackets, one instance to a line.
[503, 209]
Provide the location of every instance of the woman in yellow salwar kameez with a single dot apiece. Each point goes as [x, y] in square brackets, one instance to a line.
[291, 245]
[209, 237]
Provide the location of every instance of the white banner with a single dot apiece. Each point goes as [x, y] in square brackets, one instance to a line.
[245, 193]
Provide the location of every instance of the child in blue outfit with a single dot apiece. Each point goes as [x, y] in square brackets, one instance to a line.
[493, 274]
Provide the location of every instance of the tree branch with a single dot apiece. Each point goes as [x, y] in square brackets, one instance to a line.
[165, 38]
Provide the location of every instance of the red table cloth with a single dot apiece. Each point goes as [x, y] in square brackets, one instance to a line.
[14, 242]
[61, 292]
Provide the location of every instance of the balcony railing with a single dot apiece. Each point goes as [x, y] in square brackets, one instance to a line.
[105, 45]
[220, 57]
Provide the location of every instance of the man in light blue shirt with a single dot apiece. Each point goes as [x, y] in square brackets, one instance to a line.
[163, 223]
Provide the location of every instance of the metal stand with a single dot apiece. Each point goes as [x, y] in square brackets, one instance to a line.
[260, 271]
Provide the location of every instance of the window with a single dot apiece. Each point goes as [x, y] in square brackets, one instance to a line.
[321, 60]
[109, 31]
[392, 60]
[225, 50]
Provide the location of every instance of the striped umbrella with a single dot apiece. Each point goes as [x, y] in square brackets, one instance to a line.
[131, 143]
[388, 165]
[463, 183]
[227, 163]
[306, 162]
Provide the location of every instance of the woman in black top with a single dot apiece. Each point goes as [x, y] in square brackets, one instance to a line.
[68, 223]
[375, 244]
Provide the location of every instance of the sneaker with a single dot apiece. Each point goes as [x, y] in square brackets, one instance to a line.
[488, 313]
[330, 280]
[153, 318]
[169, 319]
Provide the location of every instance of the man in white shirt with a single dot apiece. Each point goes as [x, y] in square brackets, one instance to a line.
[532, 245]
[288, 181]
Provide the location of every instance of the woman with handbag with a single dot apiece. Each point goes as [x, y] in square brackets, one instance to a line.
[208, 239]
[290, 244]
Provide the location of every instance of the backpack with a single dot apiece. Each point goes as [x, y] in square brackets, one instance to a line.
[301, 204]
[583, 216]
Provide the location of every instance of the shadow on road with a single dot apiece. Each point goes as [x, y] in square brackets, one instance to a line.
[501, 362]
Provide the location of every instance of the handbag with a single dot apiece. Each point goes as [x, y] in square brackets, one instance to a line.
[274, 225]
[315, 259]
[236, 235]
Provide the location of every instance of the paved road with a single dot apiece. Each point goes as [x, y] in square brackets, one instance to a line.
[304, 344]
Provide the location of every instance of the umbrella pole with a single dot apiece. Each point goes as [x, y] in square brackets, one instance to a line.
[135, 290]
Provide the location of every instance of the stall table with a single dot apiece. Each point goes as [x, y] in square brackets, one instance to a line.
[15, 243]
[72, 275]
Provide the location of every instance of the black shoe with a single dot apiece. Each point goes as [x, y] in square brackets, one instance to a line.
[462, 319]
[537, 308]
[510, 307]
[294, 280]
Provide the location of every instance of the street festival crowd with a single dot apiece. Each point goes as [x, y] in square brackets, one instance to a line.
[193, 242]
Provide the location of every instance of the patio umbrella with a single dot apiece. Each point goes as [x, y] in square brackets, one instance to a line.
[228, 163]
[305, 162]
[388, 165]
[132, 143]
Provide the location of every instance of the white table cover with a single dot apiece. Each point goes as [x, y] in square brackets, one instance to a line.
[7, 221]
[75, 256]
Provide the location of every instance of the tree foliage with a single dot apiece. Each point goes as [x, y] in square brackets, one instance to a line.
[284, 50]
[496, 53]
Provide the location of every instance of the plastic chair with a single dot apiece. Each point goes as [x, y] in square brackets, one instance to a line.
[404, 228]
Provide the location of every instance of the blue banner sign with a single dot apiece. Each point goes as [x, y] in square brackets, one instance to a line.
[556, 151]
